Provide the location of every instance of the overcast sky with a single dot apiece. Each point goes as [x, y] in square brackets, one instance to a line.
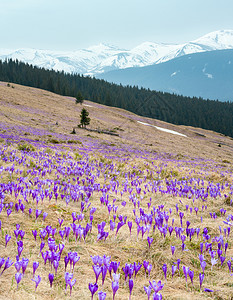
[76, 24]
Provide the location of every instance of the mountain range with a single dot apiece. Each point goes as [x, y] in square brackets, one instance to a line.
[103, 58]
[208, 75]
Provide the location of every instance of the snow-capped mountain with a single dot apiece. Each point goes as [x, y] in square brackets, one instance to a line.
[103, 58]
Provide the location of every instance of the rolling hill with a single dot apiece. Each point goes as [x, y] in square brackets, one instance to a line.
[51, 120]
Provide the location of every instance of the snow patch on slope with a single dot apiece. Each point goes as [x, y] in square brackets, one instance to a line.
[163, 129]
[173, 74]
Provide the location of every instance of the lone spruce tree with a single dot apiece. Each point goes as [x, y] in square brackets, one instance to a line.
[84, 119]
[79, 98]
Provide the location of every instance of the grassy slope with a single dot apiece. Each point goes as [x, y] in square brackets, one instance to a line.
[29, 116]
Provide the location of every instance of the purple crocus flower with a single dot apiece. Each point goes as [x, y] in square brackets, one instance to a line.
[208, 290]
[30, 211]
[35, 266]
[20, 250]
[156, 286]
[9, 211]
[51, 278]
[60, 221]
[61, 248]
[62, 233]
[145, 265]
[148, 291]
[53, 231]
[229, 265]
[170, 229]
[186, 270]
[150, 241]
[56, 265]
[178, 264]
[149, 268]
[173, 249]
[7, 239]
[2, 260]
[37, 280]
[68, 277]
[174, 268]
[130, 287]
[222, 259]
[22, 207]
[18, 265]
[104, 270]
[101, 295]
[21, 233]
[165, 271]
[74, 216]
[38, 212]
[112, 225]
[66, 260]
[25, 262]
[119, 225]
[115, 265]
[93, 289]
[115, 287]
[34, 232]
[45, 214]
[136, 268]
[42, 246]
[76, 258]
[201, 278]
[18, 277]
[71, 284]
[8, 264]
[181, 218]
[123, 203]
[126, 270]
[191, 275]
[226, 246]
[203, 265]
[97, 270]
[196, 209]
[213, 259]
[157, 296]
[45, 256]
[106, 260]
[201, 247]
[130, 224]
[43, 234]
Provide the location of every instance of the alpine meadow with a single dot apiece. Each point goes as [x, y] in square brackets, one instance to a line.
[128, 207]
[116, 150]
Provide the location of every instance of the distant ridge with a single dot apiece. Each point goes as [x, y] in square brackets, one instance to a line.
[208, 75]
[103, 58]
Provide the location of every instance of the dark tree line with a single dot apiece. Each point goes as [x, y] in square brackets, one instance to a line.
[207, 114]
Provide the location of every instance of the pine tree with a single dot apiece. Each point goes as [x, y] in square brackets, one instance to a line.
[79, 98]
[84, 119]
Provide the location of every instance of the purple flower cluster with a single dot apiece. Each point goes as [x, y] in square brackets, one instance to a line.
[126, 214]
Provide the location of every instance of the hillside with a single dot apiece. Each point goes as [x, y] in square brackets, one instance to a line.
[207, 114]
[25, 109]
[131, 212]
[207, 75]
